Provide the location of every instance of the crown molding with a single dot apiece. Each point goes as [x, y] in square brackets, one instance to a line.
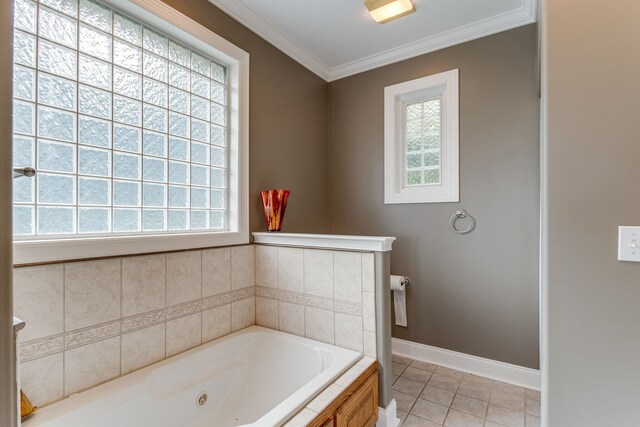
[496, 24]
[506, 21]
[247, 17]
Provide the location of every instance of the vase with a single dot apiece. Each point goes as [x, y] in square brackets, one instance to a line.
[274, 203]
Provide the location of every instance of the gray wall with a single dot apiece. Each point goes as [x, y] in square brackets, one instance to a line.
[287, 124]
[475, 293]
[592, 97]
[7, 351]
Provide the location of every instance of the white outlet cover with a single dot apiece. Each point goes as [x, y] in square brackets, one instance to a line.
[629, 243]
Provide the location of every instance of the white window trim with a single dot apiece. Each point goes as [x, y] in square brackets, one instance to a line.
[182, 28]
[444, 85]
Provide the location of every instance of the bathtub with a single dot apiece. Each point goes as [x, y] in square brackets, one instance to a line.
[253, 377]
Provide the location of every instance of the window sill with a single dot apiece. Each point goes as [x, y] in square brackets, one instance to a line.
[29, 252]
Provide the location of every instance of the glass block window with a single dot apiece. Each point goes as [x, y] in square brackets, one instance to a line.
[126, 126]
[422, 142]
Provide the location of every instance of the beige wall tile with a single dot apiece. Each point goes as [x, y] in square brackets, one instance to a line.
[266, 266]
[291, 318]
[41, 379]
[184, 280]
[319, 325]
[369, 311]
[216, 322]
[216, 271]
[92, 293]
[184, 333]
[90, 365]
[347, 276]
[290, 269]
[38, 300]
[243, 314]
[267, 312]
[143, 284]
[142, 347]
[242, 267]
[318, 272]
[349, 332]
[370, 344]
[368, 273]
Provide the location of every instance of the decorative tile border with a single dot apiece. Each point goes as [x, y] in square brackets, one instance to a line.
[345, 307]
[144, 320]
[184, 309]
[41, 347]
[322, 303]
[91, 334]
[35, 349]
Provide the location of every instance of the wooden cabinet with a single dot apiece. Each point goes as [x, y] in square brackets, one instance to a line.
[356, 406]
[361, 410]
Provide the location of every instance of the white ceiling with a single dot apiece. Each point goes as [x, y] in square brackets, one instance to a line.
[338, 38]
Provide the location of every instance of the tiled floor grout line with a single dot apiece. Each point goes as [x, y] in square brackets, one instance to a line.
[524, 417]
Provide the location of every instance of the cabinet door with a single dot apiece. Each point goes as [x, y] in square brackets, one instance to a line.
[361, 410]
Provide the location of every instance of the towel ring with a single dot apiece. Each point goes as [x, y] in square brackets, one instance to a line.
[461, 214]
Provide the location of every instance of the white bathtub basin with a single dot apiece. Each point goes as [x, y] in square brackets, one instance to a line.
[254, 377]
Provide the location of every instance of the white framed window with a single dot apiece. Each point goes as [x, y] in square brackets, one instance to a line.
[421, 140]
[136, 119]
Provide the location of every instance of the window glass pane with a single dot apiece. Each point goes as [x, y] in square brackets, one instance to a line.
[95, 72]
[94, 132]
[56, 124]
[93, 220]
[56, 189]
[126, 220]
[178, 220]
[56, 220]
[68, 7]
[57, 27]
[56, 157]
[25, 15]
[127, 29]
[94, 42]
[126, 126]
[24, 49]
[94, 191]
[57, 59]
[56, 91]
[23, 220]
[422, 132]
[95, 14]
[24, 83]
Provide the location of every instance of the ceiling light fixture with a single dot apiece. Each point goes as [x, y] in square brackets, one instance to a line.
[387, 10]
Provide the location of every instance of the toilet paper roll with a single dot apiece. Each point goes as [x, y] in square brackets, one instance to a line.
[398, 284]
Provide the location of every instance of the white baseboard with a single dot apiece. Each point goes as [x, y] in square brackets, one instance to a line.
[387, 417]
[505, 372]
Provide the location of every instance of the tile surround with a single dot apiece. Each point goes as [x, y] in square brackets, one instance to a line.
[321, 294]
[91, 293]
[91, 321]
[39, 296]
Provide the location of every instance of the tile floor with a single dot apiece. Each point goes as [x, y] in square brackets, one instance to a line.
[429, 395]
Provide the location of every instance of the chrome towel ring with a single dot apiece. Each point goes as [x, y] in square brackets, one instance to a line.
[461, 214]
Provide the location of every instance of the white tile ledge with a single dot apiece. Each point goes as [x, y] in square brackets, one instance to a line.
[326, 241]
